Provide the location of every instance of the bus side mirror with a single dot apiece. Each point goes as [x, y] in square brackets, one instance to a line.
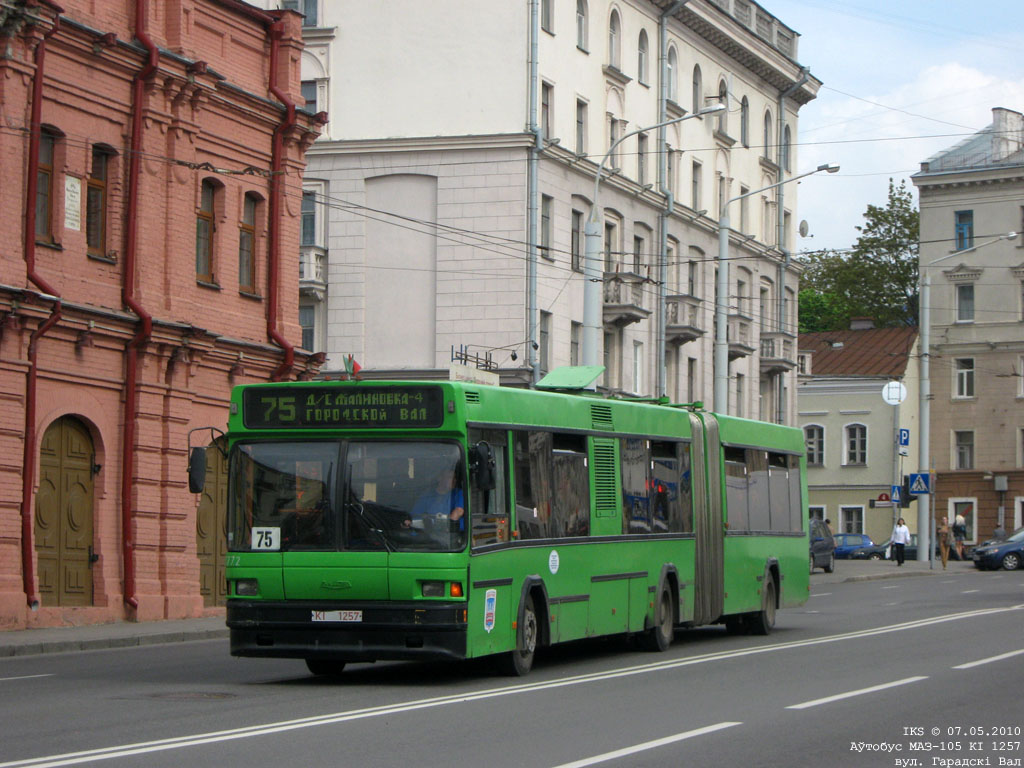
[196, 470]
[482, 465]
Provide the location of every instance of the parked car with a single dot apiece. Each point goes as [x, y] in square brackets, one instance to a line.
[822, 547]
[879, 551]
[1007, 553]
[846, 543]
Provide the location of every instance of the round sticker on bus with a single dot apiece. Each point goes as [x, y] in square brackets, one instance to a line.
[553, 562]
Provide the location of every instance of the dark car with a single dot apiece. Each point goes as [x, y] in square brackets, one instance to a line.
[846, 543]
[881, 551]
[822, 547]
[1007, 553]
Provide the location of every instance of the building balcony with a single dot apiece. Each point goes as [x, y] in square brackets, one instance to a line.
[682, 319]
[740, 336]
[625, 296]
[312, 271]
[778, 352]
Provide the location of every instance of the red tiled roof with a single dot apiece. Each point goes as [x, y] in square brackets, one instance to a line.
[872, 352]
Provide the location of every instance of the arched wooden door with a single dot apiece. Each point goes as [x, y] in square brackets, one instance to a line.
[211, 528]
[63, 519]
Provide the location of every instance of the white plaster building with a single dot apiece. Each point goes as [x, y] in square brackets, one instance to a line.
[447, 195]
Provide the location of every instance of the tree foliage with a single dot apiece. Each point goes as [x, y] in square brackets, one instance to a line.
[876, 279]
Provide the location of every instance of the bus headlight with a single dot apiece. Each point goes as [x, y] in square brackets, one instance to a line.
[247, 587]
[433, 589]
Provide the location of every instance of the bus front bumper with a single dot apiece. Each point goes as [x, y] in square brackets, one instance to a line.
[364, 631]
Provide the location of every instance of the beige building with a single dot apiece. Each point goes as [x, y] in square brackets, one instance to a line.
[852, 431]
[446, 200]
[972, 196]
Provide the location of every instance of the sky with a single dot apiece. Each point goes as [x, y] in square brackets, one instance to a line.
[903, 79]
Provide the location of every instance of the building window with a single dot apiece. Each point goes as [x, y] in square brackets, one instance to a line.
[851, 519]
[96, 202]
[307, 322]
[641, 159]
[44, 187]
[671, 74]
[613, 40]
[965, 377]
[745, 122]
[581, 127]
[546, 96]
[698, 89]
[204, 232]
[581, 24]
[614, 134]
[723, 116]
[546, 203]
[247, 245]
[575, 337]
[691, 379]
[611, 255]
[964, 447]
[577, 240]
[768, 154]
[641, 58]
[695, 184]
[816, 513]
[740, 394]
[546, 16]
[965, 507]
[309, 234]
[814, 440]
[307, 8]
[856, 444]
[545, 342]
[638, 254]
[964, 225]
[965, 303]
[638, 366]
[692, 273]
[309, 95]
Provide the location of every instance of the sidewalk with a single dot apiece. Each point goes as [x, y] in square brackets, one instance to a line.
[30, 642]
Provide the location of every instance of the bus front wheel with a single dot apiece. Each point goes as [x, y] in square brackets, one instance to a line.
[762, 622]
[519, 662]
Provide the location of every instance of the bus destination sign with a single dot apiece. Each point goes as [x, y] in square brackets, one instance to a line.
[333, 407]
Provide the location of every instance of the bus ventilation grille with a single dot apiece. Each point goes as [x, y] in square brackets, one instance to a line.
[606, 501]
[601, 416]
[473, 398]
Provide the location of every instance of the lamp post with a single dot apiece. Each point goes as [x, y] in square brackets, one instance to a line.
[721, 404]
[592, 294]
[925, 387]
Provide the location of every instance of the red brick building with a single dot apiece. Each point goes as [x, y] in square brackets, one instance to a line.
[151, 159]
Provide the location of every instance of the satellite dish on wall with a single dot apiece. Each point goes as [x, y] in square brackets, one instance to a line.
[804, 229]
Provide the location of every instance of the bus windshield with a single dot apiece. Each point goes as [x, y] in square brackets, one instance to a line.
[346, 495]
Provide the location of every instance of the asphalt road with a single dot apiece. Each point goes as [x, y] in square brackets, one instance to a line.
[866, 674]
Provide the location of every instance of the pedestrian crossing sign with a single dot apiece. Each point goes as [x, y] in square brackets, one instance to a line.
[919, 483]
[896, 491]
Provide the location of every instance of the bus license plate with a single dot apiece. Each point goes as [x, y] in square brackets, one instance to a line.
[349, 616]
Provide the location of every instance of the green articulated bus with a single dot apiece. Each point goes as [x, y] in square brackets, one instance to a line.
[449, 520]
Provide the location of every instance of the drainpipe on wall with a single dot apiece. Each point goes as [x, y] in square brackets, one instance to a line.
[145, 328]
[665, 189]
[28, 460]
[780, 299]
[531, 204]
[274, 32]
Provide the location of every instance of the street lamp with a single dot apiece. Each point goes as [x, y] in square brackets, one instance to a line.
[592, 294]
[924, 389]
[721, 404]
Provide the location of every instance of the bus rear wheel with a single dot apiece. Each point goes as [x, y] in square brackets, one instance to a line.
[325, 667]
[520, 661]
[762, 622]
[660, 636]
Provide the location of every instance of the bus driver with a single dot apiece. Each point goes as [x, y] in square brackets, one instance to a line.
[444, 501]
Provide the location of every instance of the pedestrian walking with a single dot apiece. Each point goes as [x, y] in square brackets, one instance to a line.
[945, 537]
[900, 539]
[959, 534]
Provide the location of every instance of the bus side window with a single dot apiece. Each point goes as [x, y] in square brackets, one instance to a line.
[489, 514]
[736, 489]
[533, 483]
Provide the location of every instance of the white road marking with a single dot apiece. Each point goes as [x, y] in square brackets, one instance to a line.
[821, 594]
[24, 677]
[127, 750]
[970, 591]
[892, 587]
[646, 745]
[991, 659]
[851, 694]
